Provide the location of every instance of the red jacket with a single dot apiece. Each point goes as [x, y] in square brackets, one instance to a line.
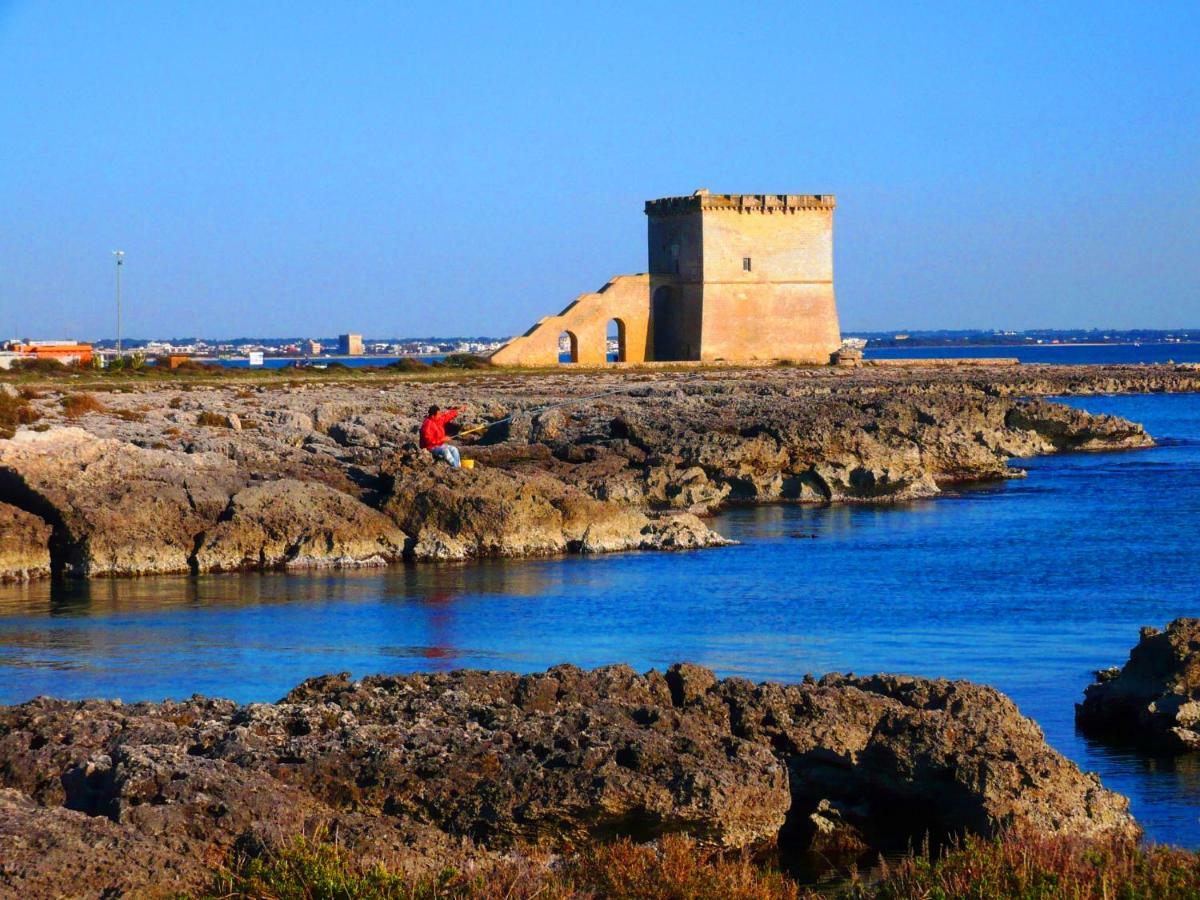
[433, 429]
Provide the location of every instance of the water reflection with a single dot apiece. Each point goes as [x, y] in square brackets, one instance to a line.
[249, 636]
[439, 584]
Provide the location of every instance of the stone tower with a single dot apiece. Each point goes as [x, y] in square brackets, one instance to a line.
[742, 277]
[733, 278]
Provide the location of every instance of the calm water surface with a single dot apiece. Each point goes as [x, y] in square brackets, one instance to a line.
[1027, 585]
[1054, 354]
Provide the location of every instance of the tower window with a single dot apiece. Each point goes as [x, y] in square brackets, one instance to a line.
[745, 264]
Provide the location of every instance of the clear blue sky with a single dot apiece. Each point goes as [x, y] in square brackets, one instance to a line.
[301, 168]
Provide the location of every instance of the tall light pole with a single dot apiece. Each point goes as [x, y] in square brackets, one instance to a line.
[120, 255]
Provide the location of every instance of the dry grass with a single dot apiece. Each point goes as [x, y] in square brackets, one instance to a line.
[1039, 866]
[80, 404]
[129, 415]
[677, 868]
[212, 420]
[15, 411]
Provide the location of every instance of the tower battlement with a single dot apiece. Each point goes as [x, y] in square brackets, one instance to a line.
[703, 201]
[731, 278]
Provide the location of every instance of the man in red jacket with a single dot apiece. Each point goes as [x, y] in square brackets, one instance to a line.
[433, 435]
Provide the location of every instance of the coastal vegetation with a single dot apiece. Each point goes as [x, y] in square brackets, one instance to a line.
[15, 410]
[80, 404]
[675, 868]
[1018, 866]
[208, 419]
[48, 373]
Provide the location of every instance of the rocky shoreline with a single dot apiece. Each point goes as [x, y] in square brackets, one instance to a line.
[416, 770]
[1153, 701]
[171, 476]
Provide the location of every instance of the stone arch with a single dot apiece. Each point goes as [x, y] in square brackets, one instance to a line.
[573, 342]
[622, 347]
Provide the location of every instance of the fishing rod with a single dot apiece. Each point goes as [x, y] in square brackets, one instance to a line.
[538, 410]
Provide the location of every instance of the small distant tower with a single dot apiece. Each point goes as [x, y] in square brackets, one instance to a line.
[742, 277]
[350, 344]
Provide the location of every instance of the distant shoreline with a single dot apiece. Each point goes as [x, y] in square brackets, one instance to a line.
[906, 344]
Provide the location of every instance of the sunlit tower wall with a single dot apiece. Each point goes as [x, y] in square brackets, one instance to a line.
[742, 277]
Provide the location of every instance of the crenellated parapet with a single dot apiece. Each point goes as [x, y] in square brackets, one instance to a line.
[703, 201]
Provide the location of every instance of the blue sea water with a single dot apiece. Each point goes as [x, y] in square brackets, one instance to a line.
[1052, 354]
[1027, 585]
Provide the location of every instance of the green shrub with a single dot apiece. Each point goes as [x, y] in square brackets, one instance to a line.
[40, 366]
[308, 870]
[129, 363]
[465, 361]
[408, 364]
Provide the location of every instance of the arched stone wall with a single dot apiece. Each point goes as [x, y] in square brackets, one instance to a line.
[622, 347]
[626, 298]
[574, 339]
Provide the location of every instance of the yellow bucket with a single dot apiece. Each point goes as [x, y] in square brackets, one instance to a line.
[468, 463]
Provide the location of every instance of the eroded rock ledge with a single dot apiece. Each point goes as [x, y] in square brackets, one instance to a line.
[408, 768]
[179, 478]
[1153, 701]
[24, 545]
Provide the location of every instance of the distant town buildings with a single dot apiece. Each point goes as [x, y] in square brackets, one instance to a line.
[174, 352]
[65, 352]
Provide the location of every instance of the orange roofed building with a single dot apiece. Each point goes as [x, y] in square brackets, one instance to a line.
[61, 351]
